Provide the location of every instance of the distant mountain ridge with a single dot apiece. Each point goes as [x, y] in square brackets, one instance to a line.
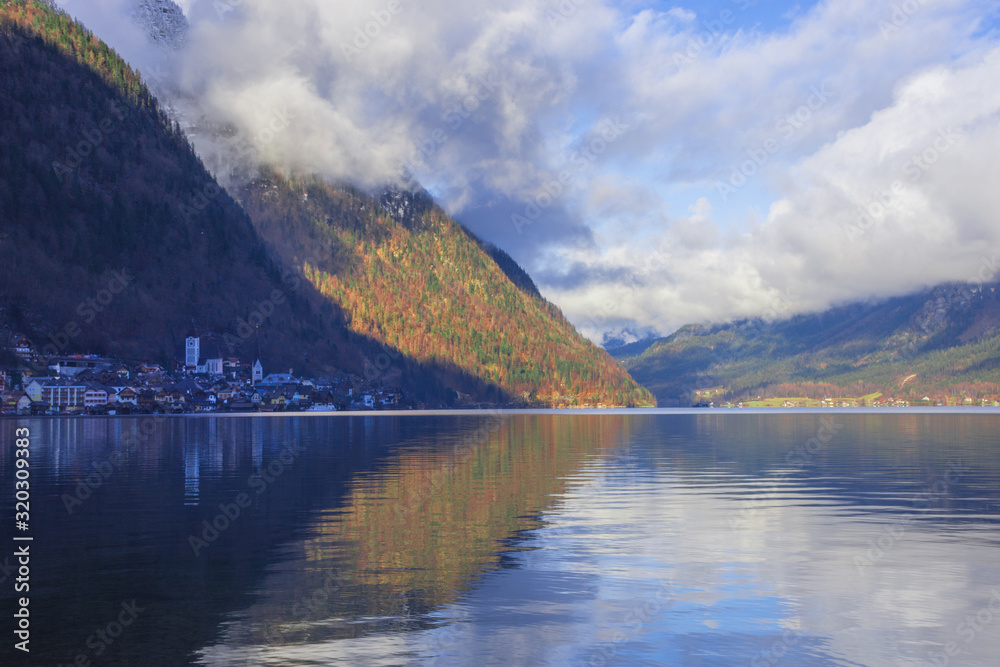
[936, 343]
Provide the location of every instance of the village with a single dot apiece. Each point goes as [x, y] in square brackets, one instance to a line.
[202, 380]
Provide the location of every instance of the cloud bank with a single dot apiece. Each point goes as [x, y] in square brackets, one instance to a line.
[649, 166]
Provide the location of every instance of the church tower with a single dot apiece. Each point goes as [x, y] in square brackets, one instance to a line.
[192, 353]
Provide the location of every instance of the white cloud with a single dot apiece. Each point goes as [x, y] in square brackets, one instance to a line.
[491, 102]
[893, 205]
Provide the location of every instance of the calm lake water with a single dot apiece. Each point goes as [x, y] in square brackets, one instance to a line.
[717, 538]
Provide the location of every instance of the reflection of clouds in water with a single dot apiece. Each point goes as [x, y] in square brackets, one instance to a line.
[785, 592]
[635, 561]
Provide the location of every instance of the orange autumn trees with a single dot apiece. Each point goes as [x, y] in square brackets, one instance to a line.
[408, 275]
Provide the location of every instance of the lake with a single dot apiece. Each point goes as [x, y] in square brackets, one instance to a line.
[683, 538]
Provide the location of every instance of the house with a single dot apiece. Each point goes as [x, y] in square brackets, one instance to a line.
[203, 402]
[146, 399]
[34, 387]
[278, 379]
[205, 397]
[128, 395]
[16, 403]
[94, 396]
[21, 346]
[224, 393]
[323, 401]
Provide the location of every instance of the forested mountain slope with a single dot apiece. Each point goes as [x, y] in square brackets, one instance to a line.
[409, 276]
[940, 343]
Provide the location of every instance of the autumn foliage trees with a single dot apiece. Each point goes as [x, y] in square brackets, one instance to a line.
[409, 276]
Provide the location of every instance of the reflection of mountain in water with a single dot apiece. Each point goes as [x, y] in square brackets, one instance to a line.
[380, 523]
[331, 518]
[418, 531]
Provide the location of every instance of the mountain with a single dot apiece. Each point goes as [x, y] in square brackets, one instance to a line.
[163, 21]
[115, 239]
[413, 279]
[942, 344]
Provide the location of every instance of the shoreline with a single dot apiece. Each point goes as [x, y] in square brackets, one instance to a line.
[474, 412]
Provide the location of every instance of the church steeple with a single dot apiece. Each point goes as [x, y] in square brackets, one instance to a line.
[258, 369]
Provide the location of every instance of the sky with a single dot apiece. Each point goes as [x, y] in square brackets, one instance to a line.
[650, 164]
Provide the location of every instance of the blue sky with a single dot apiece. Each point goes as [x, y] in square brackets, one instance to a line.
[646, 168]
[767, 16]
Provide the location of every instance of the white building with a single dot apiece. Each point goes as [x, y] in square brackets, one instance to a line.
[64, 396]
[95, 396]
[211, 364]
[192, 353]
